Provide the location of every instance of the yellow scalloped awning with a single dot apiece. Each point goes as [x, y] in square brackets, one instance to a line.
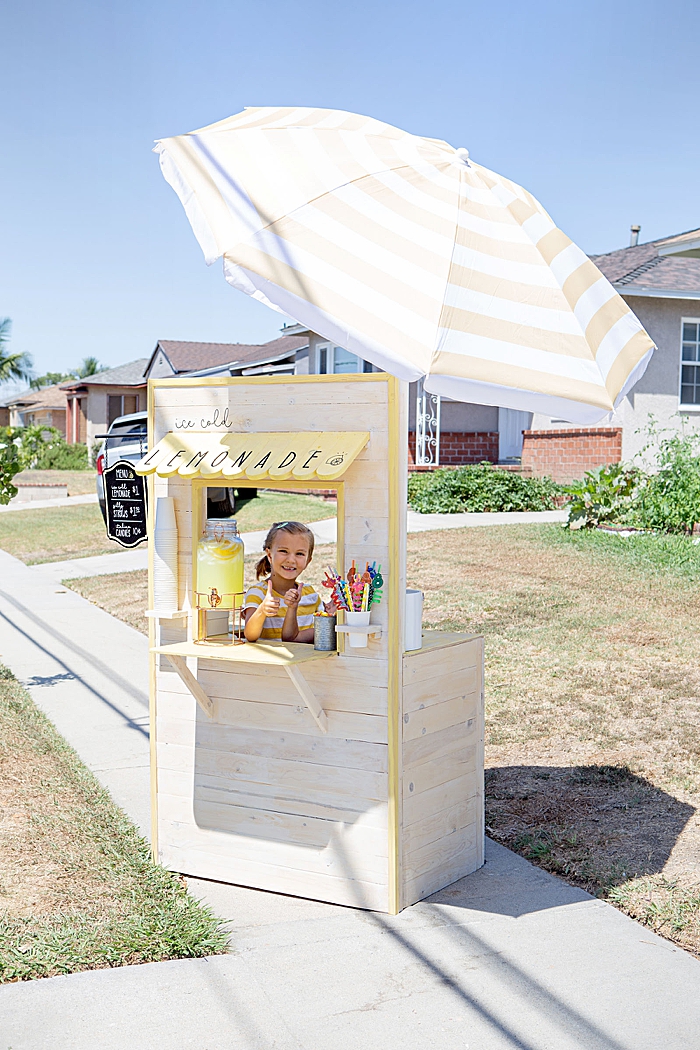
[302, 456]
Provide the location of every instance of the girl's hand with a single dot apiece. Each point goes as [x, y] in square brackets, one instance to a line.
[270, 605]
[293, 595]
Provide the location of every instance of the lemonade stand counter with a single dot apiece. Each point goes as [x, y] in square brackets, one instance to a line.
[353, 776]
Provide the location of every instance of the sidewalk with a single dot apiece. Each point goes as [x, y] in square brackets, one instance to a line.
[324, 532]
[39, 504]
[507, 959]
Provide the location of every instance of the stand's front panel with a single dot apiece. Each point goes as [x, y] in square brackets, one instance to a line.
[258, 794]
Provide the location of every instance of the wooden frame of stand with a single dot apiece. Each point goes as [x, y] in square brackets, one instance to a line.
[369, 791]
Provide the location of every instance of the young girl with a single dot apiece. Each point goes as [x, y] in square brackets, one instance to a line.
[281, 606]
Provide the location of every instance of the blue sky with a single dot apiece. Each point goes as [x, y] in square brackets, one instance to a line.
[593, 106]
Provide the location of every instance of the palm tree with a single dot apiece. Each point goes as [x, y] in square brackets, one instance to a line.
[12, 366]
[89, 366]
[50, 379]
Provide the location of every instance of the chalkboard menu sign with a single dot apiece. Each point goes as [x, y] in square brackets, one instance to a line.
[125, 497]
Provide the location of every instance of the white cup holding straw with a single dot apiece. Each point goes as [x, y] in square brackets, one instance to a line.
[357, 619]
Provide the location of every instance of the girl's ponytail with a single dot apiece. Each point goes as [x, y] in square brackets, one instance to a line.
[263, 568]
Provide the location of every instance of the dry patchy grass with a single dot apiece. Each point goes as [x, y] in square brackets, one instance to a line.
[78, 889]
[123, 594]
[593, 701]
[593, 704]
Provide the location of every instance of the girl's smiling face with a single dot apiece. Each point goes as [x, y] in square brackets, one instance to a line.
[289, 555]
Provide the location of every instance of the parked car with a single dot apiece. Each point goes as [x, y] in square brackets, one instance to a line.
[127, 438]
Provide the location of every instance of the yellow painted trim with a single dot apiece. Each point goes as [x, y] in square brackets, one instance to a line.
[196, 381]
[396, 507]
[340, 549]
[152, 692]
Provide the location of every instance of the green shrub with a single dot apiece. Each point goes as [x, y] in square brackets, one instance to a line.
[9, 466]
[29, 441]
[604, 495]
[58, 455]
[44, 448]
[669, 499]
[482, 487]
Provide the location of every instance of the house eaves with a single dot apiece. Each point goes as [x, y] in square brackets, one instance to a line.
[655, 293]
[689, 250]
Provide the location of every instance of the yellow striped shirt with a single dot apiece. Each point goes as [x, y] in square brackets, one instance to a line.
[272, 629]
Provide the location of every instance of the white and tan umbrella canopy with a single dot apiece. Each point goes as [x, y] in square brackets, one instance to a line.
[409, 254]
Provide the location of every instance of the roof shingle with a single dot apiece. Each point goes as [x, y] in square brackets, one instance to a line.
[190, 357]
[47, 397]
[641, 266]
[130, 374]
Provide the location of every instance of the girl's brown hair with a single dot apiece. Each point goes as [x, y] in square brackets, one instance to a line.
[294, 528]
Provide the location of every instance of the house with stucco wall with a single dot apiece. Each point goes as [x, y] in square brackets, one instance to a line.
[93, 402]
[45, 407]
[660, 282]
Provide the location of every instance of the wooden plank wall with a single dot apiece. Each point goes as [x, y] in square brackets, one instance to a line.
[442, 742]
[258, 796]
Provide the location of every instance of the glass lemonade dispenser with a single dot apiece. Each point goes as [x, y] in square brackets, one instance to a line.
[219, 582]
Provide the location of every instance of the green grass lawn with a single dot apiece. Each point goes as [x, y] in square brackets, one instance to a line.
[268, 507]
[78, 888]
[592, 703]
[57, 533]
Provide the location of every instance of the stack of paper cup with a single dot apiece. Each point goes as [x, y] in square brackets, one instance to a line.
[165, 560]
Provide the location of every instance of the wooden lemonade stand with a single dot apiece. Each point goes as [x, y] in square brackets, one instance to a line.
[354, 777]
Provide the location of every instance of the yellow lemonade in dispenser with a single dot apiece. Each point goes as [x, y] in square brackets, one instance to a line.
[220, 563]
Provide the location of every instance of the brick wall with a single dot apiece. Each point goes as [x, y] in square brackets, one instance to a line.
[457, 448]
[567, 454]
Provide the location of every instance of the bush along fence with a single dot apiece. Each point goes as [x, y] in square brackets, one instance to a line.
[666, 500]
[478, 488]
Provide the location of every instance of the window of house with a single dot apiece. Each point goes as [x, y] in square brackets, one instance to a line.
[336, 360]
[322, 359]
[121, 405]
[114, 408]
[690, 362]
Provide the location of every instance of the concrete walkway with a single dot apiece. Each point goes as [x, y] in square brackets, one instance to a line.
[507, 959]
[324, 531]
[41, 504]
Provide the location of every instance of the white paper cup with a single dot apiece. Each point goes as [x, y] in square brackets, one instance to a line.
[357, 619]
[165, 514]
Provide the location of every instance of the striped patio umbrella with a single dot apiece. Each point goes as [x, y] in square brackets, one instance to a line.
[406, 252]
